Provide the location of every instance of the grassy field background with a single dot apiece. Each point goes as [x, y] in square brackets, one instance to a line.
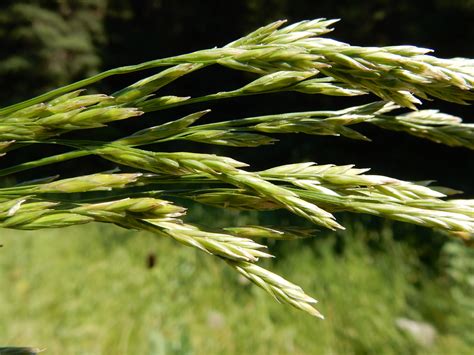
[88, 290]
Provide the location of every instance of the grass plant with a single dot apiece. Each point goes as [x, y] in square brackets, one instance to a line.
[296, 57]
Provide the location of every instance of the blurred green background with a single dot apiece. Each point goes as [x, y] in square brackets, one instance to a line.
[385, 288]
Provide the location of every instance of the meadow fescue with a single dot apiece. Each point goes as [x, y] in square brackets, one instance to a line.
[291, 58]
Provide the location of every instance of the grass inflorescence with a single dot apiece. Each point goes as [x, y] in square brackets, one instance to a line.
[293, 58]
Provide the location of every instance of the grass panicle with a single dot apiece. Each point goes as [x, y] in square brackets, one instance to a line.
[283, 58]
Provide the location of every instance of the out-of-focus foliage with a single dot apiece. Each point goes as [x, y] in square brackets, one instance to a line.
[46, 44]
[95, 293]
[459, 267]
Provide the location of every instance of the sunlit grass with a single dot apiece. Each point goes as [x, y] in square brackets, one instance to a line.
[88, 290]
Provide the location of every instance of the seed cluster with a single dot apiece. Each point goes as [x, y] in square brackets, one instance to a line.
[292, 58]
